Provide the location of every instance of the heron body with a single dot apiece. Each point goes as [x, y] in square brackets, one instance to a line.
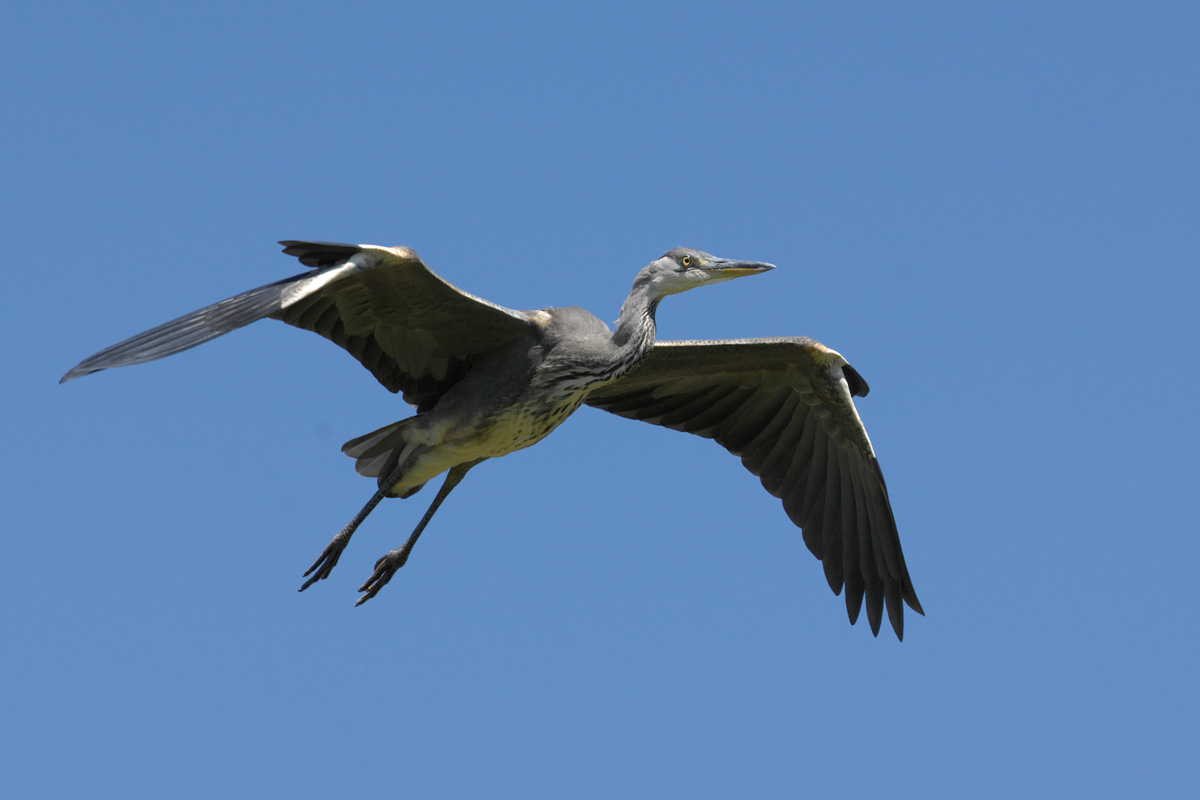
[510, 401]
[487, 381]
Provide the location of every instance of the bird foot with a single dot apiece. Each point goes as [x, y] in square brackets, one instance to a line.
[329, 558]
[385, 568]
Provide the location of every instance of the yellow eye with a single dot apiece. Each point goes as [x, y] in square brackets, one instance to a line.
[686, 261]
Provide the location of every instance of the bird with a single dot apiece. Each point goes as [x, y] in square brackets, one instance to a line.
[487, 381]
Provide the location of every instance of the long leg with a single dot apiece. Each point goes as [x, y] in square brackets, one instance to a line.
[386, 567]
[333, 551]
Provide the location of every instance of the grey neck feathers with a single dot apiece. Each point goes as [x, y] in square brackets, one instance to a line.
[634, 336]
[628, 345]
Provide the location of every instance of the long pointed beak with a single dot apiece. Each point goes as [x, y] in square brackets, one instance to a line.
[729, 268]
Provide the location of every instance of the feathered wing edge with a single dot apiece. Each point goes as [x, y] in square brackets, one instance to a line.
[408, 326]
[784, 406]
[190, 330]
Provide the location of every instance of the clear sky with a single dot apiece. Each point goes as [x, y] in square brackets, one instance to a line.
[991, 209]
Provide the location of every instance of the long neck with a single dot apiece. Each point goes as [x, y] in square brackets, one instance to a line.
[634, 336]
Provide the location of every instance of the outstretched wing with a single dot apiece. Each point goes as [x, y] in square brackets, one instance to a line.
[413, 330]
[785, 407]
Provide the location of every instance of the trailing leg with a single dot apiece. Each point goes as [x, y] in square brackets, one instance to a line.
[329, 557]
[386, 567]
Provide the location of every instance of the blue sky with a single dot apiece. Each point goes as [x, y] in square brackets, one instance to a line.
[989, 209]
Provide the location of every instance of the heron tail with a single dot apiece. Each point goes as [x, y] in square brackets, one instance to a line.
[378, 453]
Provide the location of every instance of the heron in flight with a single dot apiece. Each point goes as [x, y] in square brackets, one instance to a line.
[487, 381]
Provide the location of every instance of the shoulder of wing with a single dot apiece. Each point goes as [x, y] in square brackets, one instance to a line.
[799, 357]
[818, 375]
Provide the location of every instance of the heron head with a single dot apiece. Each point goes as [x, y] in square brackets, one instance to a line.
[684, 268]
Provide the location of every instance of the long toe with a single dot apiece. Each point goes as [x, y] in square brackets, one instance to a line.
[320, 576]
[385, 568]
[327, 561]
[321, 568]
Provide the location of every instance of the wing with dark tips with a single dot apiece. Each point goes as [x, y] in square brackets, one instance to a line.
[413, 330]
[785, 407]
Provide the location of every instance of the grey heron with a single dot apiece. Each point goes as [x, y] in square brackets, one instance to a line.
[487, 380]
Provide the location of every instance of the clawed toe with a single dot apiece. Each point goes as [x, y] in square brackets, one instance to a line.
[385, 568]
[324, 565]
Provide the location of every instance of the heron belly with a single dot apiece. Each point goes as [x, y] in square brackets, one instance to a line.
[514, 428]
